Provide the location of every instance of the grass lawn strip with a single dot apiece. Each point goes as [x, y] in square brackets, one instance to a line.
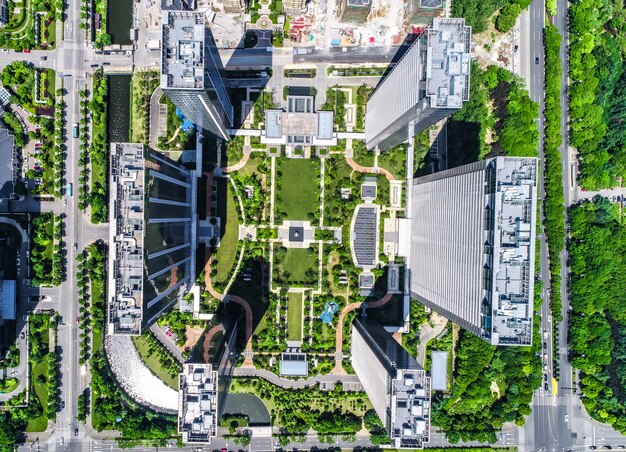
[298, 188]
[294, 316]
[227, 250]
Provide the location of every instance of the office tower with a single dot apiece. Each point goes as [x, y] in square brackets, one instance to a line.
[203, 387]
[152, 237]
[472, 246]
[189, 72]
[394, 382]
[429, 83]
[355, 11]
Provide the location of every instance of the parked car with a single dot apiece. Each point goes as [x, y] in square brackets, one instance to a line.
[26, 50]
[546, 387]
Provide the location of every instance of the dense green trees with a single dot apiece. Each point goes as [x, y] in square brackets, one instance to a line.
[99, 149]
[492, 385]
[478, 12]
[597, 94]
[553, 203]
[597, 251]
[511, 120]
[10, 431]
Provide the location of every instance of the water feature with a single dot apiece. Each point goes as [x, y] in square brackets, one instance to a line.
[120, 21]
[249, 405]
[119, 108]
[135, 378]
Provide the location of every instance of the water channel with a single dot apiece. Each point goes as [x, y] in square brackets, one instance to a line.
[120, 21]
[119, 108]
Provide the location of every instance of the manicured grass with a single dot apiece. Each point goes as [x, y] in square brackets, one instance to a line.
[294, 316]
[227, 250]
[39, 424]
[299, 189]
[296, 262]
[152, 361]
[52, 34]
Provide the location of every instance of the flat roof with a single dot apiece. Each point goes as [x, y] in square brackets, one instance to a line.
[126, 249]
[448, 61]
[7, 297]
[182, 50]
[7, 145]
[198, 403]
[294, 365]
[439, 370]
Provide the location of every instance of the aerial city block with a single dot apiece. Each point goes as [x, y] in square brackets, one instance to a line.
[312, 225]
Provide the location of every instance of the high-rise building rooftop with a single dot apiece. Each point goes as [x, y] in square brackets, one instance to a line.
[151, 236]
[472, 246]
[183, 43]
[429, 83]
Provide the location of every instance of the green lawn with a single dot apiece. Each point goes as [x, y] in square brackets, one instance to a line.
[299, 189]
[52, 33]
[227, 250]
[294, 316]
[152, 361]
[39, 424]
[296, 262]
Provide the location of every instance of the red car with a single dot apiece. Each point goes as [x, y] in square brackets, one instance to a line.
[26, 50]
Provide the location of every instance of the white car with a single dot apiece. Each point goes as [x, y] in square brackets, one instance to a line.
[566, 418]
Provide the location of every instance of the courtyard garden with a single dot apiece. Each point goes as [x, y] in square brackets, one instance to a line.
[298, 189]
[295, 267]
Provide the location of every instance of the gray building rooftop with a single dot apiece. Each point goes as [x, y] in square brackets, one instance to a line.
[182, 50]
[447, 62]
[127, 237]
[294, 365]
[439, 370]
[198, 403]
[513, 261]
[410, 409]
[7, 299]
[7, 175]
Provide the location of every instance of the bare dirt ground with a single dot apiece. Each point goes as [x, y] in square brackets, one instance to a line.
[193, 335]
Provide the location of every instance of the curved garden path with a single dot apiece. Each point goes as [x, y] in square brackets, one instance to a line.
[369, 169]
[235, 299]
[338, 369]
[237, 166]
[207, 339]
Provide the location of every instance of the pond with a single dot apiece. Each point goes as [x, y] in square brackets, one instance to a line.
[118, 128]
[120, 21]
[248, 405]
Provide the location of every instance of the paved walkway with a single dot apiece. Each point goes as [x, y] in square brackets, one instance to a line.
[167, 342]
[295, 384]
[427, 333]
[237, 166]
[369, 170]
[154, 119]
[208, 337]
[246, 307]
[338, 369]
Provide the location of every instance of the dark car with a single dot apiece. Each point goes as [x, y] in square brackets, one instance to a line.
[545, 345]
[536, 60]
[545, 377]
[75, 432]
[546, 387]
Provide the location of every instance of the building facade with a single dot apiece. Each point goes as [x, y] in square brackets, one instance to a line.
[429, 83]
[152, 237]
[472, 246]
[397, 386]
[4, 12]
[189, 72]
